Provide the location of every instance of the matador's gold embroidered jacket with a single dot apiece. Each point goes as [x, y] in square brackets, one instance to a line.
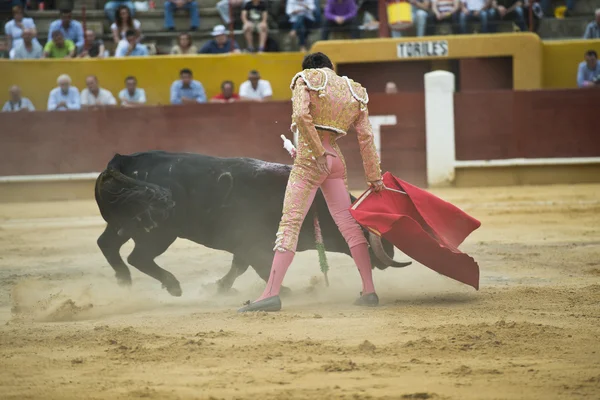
[323, 99]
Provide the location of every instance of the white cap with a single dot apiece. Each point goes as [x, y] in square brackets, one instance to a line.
[219, 30]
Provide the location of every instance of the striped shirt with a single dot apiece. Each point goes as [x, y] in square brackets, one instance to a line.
[444, 6]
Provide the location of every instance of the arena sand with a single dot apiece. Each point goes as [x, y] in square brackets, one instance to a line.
[532, 331]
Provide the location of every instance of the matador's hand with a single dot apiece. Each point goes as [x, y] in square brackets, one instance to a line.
[377, 186]
[322, 162]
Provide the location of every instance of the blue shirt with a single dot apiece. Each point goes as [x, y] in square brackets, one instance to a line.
[195, 91]
[211, 47]
[71, 98]
[139, 50]
[586, 74]
[74, 33]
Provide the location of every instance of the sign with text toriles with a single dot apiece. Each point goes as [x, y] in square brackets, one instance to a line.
[430, 48]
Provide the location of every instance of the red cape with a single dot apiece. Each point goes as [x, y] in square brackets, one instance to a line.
[423, 226]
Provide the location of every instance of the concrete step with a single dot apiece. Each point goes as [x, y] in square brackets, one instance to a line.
[152, 21]
[553, 28]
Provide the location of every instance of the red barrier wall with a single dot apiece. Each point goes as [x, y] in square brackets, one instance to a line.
[527, 124]
[84, 141]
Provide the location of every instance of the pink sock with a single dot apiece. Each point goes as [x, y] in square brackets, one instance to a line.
[360, 254]
[281, 263]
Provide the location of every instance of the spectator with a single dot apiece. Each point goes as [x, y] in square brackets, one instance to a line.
[592, 31]
[14, 28]
[58, 47]
[130, 46]
[4, 50]
[124, 22]
[227, 94]
[220, 44]
[29, 47]
[111, 9]
[172, 5]
[184, 45]
[476, 9]
[391, 88]
[588, 74]
[132, 96]
[70, 29]
[93, 95]
[340, 14]
[186, 90]
[223, 8]
[16, 102]
[255, 89]
[254, 17]
[446, 11]
[302, 17]
[65, 96]
[420, 13]
[511, 9]
[92, 47]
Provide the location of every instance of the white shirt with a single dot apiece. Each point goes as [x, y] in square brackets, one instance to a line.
[474, 5]
[18, 106]
[136, 26]
[263, 89]
[104, 97]
[139, 96]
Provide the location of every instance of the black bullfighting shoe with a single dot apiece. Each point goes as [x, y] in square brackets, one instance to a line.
[269, 304]
[368, 300]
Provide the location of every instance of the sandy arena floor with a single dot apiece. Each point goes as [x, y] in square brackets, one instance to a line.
[531, 332]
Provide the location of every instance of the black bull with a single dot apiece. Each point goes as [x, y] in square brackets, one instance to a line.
[230, 204]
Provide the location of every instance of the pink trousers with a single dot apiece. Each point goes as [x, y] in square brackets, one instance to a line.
[305, 179]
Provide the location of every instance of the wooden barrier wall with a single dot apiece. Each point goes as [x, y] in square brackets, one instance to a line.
[527, 124]
[489, 125]
[84, 141]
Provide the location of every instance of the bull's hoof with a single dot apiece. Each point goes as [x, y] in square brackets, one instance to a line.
[227, 291]
[285, 291]
[124, 280]
[174, 289]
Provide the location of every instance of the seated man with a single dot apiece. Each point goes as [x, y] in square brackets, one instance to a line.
[588, 74]
[130, 47]
[340, 15]
[511, 10]
[255, 89]
[93, 95]
[254, 17]
[28, 48]
[16, 102]
[65, 96]
[446, 11]
[476, 10]
[186, 90]
[71, 30]
[92, 47]
[172, 5]
[58, 47]
[227, 94]
[132, 96]
[220, 44]
[592, 31]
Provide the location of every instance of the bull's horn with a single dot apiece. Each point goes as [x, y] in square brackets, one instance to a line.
[380, 253]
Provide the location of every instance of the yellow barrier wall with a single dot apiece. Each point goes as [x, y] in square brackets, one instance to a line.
[525, 48]
[561, 59]
[155, 75]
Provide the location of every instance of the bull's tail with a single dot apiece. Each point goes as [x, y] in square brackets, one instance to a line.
[130, 204]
